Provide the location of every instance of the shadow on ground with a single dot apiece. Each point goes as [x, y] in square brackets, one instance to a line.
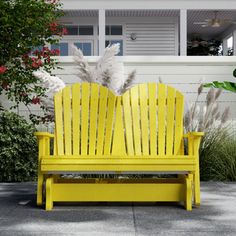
[19, 215]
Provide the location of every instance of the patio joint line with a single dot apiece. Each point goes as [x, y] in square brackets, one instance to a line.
[134, 219]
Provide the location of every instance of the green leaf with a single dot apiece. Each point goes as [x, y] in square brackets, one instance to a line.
[234, 73]
[226, 85]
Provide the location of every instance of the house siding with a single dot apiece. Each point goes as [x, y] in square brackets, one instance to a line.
[154, 38]
[155, 35]
[183, 74]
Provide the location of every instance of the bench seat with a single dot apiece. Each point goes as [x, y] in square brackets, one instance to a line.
[117, 164]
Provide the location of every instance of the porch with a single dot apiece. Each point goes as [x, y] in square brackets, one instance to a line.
[158, 28]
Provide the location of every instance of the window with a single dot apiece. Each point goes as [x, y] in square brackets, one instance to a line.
[63, 47]
[86, 48]
[79, 30]
[230, 46]
[113, 42]
[86, 30]
[72, 30]
[114, 30]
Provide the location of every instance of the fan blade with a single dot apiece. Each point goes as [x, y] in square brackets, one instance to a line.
[223, 21]
[199, 23]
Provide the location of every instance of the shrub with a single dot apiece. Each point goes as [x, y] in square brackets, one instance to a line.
[218, 155]
[27, 26]
[18, 148]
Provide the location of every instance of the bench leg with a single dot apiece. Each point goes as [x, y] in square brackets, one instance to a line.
[197, 198]
[49, 198]
[189, 190]
[40, 189]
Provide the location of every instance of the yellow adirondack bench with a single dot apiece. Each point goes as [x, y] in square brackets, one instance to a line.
[138, 132]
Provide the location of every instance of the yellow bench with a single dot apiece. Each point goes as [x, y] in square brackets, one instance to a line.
[138, 132]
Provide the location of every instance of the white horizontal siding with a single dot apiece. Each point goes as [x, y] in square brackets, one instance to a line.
[183, 73]
[157, 38]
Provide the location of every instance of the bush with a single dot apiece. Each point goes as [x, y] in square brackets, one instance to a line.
[18, 149]
[218, 155]
[27, 26]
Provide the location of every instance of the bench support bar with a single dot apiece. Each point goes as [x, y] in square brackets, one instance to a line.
[119, 190]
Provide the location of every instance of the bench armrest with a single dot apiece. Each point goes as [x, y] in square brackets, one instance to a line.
[194, 134]
[43, 143]
[194, 140]
[43, 134]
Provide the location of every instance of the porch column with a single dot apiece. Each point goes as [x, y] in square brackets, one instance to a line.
[183, 32]
[102, 25]
[234, 42]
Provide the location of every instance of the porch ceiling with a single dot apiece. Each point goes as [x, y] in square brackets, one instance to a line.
[193, 16]
[123, 13]
[81, 13]
[208, 32]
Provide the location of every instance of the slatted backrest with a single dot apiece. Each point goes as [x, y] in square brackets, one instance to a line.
[153, 120]
[90, 120]
[85, 121]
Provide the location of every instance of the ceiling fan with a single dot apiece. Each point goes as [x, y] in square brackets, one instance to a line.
[214, 22]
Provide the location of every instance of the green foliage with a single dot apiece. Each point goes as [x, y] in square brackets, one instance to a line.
[218, 155]
[18, 149]
[226, 85]
[24, 25]
[234, 73]
[27, 25]
[200, 47]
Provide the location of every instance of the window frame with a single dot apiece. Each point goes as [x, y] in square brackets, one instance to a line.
[78, 27]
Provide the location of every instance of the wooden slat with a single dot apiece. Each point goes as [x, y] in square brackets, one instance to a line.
[118, 143]
[170, 120]
[109, 123]
[103, 98]
[144, 118]
[76, 118]
[161, 118]
[178, 121]
[55, 147]
[59, 123]
[152, 117]
[85, 117]
[134, 93]
[67, 118]
[128, 123]
[93, 118]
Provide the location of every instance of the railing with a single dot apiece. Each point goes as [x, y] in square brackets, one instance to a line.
[183, 73]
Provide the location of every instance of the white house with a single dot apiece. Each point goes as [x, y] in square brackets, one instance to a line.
[154, 35]
[146, 27]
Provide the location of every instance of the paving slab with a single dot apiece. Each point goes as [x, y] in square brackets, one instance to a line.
[19, 215]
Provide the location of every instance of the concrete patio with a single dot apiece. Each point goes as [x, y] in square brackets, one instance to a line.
[20, 216]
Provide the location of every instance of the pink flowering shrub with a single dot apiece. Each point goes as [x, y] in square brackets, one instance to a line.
[19, 57]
